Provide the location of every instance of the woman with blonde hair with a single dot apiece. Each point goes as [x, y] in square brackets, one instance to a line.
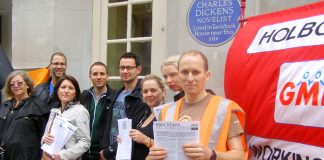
[22, 119]
[170, 72]
[153, 91]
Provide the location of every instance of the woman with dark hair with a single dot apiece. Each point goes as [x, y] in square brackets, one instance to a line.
[22, 119]
[67, 91]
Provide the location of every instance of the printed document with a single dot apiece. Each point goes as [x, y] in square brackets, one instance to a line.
[62, 130]
[173, 135]
[124, 149]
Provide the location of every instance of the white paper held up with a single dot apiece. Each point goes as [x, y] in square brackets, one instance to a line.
[173, 135]
[62, 130]
[124, 149]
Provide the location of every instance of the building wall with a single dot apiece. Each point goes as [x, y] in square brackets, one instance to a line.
[32, 33]
[42, 27]
[34, 29]
[179, 38]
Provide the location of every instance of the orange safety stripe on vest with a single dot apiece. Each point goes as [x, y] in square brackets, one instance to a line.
[214, 125]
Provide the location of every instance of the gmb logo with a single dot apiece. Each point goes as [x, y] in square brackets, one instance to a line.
[306, 92]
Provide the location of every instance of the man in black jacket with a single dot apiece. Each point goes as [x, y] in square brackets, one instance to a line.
[97, 100]
[44, 91]
[127, 104]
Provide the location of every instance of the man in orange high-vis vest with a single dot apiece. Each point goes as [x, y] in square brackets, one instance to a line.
[221, 120]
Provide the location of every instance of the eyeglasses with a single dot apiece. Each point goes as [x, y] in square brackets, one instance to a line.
[58, 64]
[126, 67]
[18, 84]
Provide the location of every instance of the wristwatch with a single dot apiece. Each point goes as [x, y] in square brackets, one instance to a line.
[213, 156]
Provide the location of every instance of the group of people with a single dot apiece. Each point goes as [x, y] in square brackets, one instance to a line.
[27, 116]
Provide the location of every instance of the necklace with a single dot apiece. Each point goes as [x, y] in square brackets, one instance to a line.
[187, 116]
[145, 117]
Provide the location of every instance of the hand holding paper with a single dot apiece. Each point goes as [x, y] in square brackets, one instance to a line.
[124, 150]
[61, 131]
[173, 136]
[48, 138]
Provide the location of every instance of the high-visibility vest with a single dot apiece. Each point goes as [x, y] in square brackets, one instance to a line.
[214, 125]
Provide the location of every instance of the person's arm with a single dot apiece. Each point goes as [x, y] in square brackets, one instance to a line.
[106, 149]
[47, 139]
[41, 124]
[102, 157]
[48, 128]
[110, 151]
[157, 153]
[198, 151]
[235, 150]
[82, 136]
[141, 138]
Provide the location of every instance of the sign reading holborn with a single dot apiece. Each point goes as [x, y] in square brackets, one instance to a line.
[213, 22]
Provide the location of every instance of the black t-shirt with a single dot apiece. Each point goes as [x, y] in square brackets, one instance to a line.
[140, 151]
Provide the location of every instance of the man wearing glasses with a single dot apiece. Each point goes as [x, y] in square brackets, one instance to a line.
[127, 104]
[57, 65]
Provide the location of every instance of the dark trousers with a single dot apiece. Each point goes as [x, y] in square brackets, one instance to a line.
[91, 156]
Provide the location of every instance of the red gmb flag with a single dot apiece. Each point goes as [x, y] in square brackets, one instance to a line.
[275, 72]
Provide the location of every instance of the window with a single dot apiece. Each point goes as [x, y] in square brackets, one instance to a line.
[129, 29]
[127, 25]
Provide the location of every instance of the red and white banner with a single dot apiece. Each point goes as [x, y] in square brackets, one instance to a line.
[275, 72]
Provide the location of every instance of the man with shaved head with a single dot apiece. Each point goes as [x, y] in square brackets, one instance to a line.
[221, 120]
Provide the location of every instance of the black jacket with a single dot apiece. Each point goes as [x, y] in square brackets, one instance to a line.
[135, 109]
[21, 138]
[42, 92]
[85, 100]
[178, 96]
